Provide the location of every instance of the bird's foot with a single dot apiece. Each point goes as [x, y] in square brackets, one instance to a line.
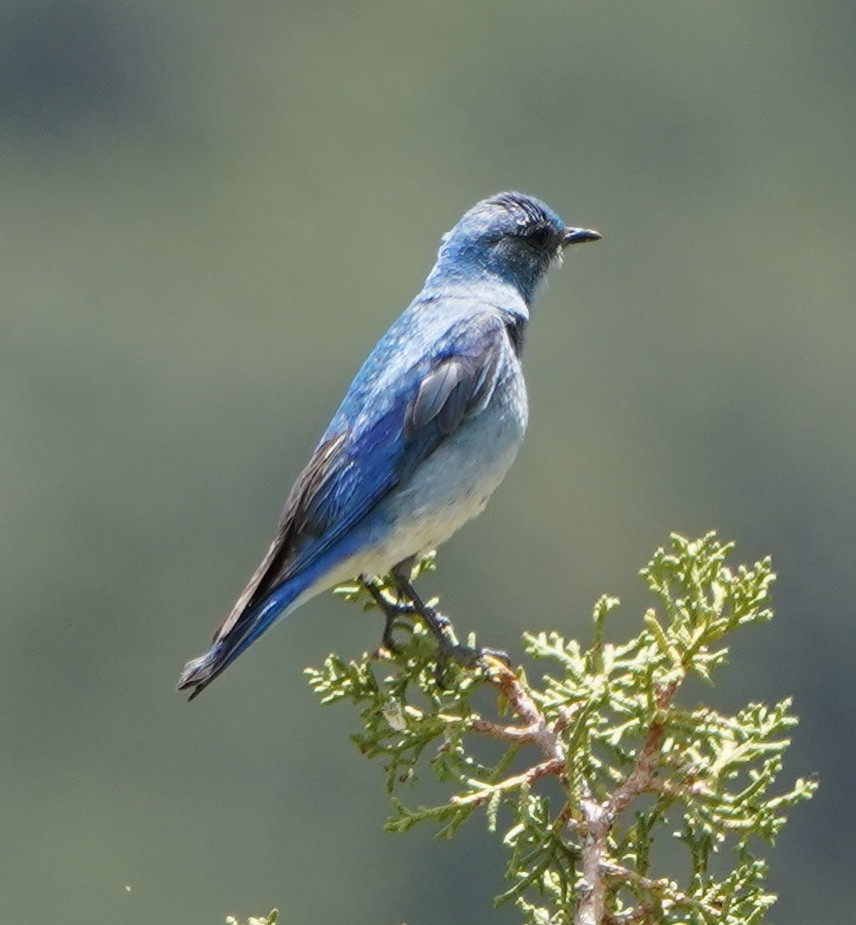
[392, 611]
[408, 603]
[449, 650]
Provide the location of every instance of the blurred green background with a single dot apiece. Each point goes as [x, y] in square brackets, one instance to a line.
[210, 212]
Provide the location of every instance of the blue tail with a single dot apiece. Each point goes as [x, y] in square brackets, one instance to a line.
[199, 672]
[268, 595]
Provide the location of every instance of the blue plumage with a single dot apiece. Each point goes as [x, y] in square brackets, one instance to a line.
[425, 433]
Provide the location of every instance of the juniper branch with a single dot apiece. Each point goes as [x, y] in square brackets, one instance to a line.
[607, 724]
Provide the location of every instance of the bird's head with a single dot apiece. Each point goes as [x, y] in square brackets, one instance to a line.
[510, 236]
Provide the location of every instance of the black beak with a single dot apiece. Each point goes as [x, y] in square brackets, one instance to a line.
[579, 236]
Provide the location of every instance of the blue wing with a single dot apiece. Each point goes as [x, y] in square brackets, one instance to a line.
[394, 416]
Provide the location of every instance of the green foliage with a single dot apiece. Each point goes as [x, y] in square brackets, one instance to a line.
[269, 919]
[636, 769]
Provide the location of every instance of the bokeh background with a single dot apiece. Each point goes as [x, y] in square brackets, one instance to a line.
[210, 211]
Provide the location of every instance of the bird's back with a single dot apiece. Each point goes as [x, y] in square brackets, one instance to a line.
[427, 331]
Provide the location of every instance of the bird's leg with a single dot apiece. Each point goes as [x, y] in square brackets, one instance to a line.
[390, 610]
[440, 626]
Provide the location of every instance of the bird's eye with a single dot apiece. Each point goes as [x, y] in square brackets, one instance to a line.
[539, 237]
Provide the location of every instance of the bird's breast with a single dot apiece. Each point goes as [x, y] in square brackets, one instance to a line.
[454, 483]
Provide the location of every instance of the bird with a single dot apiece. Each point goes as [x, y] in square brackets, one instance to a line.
[425, 433]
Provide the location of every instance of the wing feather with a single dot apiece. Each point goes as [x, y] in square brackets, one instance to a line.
[356, 465]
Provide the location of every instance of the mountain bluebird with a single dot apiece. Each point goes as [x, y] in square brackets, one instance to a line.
[424, 435]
